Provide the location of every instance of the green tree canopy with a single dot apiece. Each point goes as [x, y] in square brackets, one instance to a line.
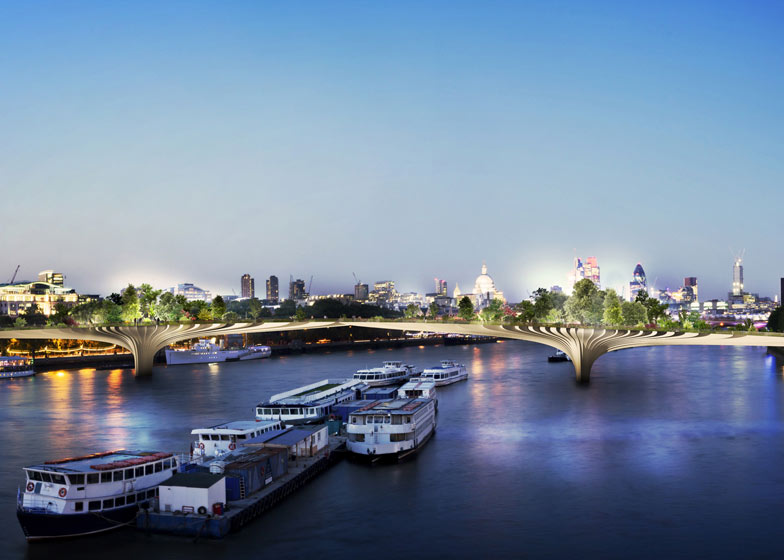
[432, 310]
[465, 309]
[612, 309]
[494, 311]
[218, 307]
[586, 304]
[633, 313]
[254, 308]
[412, 311]
[130, 304]
[653, 309]
[526, 311]
[776, 320]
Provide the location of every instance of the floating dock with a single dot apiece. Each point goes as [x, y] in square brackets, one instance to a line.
[238, 513]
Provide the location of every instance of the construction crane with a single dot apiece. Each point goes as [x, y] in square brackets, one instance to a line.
[15, 273]
[310, 283]
[356, 279]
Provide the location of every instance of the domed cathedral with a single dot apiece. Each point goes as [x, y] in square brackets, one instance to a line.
[484, 291]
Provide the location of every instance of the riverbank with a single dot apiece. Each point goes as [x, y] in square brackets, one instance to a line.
[125, 360]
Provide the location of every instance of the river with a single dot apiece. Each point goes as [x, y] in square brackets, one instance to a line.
[669, 452]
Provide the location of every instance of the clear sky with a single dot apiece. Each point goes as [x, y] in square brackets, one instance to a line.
[188, 141]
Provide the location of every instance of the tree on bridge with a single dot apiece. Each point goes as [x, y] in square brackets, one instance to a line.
[612, 316]
[465, 309]
[586, 304]
[776, 320]
[218, 308]
[130, 304]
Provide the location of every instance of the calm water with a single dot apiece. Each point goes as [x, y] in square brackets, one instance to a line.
[670, 452]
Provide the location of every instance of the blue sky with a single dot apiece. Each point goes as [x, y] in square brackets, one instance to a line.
[189, 141]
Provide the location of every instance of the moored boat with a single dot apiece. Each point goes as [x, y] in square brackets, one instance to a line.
[559, 356]
[15, 366]
[224, 438]
[89, 494]
[392, 429]
[389, 373]
[207, 352]
[310, 403]
[448, 372]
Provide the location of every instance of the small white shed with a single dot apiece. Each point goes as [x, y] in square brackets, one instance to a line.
[192, 492]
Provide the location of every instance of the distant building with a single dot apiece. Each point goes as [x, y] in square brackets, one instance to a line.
[589, 269]
[272, 289]
[361, 292]
[737, 277]
[51, 277]
[441, 287]
[191, 292]
[247, 286]
[556, 289]
[297, 289]
[691, 282]
[383, 292]
[16, 299]
[639, 282]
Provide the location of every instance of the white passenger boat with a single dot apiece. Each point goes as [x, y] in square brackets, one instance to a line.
[224, 438]
[418, 387]
[15, 366]
[392, 429]
[207, 352]
[89, 494]
[389, 373]
[311, 403]
[448, 372]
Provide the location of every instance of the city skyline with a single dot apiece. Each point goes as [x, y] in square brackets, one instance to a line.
[406, 142]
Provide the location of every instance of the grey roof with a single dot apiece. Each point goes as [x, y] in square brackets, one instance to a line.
[291, 437]
[193, 480]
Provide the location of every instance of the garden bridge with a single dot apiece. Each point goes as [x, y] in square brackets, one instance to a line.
[584, 345]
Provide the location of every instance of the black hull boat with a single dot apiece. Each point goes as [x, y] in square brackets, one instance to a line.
[41, 525]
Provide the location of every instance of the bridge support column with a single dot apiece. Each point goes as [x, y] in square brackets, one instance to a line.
[583, 362]
[143, 360]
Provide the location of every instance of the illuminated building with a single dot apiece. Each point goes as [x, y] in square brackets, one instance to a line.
[691, 282]
[51, 277]
[737, 277]
[485, 290]
[191, 292]
[247, 286]
[361, 292]
[297, 289]
[441, 287]
[556, 289]
[589, 269]
[383, 292]
[15, 299]
[272, 289]
[639, 282]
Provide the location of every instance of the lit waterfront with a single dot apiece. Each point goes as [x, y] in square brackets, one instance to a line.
[672, 451]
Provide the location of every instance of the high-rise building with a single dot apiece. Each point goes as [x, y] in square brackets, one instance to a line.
[639, 282]
[272, 289]
[592, 271]
[383, 291]
[361, 292]
[297, 289]
[737, 277]
[191, 292]
[441, 287]
[51, 277]
[247, 286]
[691, 282]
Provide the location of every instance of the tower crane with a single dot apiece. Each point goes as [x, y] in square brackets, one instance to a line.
[15, 273]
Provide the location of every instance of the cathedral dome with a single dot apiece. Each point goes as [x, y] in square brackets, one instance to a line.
[484, 283]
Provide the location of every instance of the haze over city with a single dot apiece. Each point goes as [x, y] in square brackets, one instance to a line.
[173, 143]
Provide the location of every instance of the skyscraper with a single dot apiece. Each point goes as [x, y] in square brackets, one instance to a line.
[272, 289]
[441, 287]
[361, 292]
[737, 277]
[297, 289]
[691, 282]
[247, 286]
[639, 282]
[592, 271]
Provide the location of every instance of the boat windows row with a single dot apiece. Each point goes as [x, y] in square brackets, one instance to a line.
[119, 501]
[383, 419]
[290, 411]
[108, 476]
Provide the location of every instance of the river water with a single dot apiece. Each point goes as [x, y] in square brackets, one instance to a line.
[670, 452]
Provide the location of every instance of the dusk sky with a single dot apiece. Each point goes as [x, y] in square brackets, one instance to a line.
[195, 142]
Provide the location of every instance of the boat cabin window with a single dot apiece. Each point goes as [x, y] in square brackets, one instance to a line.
[131, 499]
[128, 474]
[119, 501]
[34, 475]
[408, 419]
[224, 437]
[46, 477]
[58, 478]
[139, 471]
[240, 436]
[158, 466]
[92, 479]
[148, 469]
[78, 506]
[94, 506]
[76, 478]
[106, 477]
[167, 464]
[118, 476]
[108, 503]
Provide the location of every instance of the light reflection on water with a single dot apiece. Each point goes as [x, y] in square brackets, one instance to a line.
[665, 451]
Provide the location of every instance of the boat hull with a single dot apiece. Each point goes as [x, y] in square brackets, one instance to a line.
[15, 374]
[41, 526]
[391, 457]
